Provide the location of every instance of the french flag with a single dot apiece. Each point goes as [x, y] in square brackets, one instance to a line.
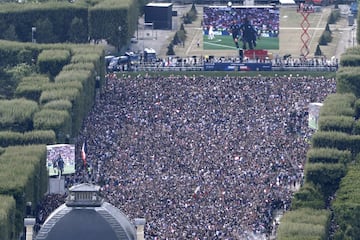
[83, 153]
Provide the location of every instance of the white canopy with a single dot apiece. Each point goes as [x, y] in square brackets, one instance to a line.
[287, 1]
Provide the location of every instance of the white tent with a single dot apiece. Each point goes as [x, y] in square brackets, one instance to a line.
[287, 2]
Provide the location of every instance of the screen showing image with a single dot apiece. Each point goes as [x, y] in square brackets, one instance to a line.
[246, 27]
[60, 158]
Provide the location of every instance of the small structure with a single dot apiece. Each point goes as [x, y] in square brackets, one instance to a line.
[85, 215]
[314, 112]
[149, 55]
[159, 15]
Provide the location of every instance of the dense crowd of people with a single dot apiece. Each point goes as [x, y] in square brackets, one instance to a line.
[200, 157]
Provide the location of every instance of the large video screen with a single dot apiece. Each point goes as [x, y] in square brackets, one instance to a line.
[60, 157]
[252, 27]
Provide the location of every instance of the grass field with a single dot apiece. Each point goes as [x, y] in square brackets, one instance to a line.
[226, 43]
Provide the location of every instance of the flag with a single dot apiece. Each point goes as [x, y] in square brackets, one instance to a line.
[83, 153]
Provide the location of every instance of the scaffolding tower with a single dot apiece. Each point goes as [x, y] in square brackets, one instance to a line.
[305, 10]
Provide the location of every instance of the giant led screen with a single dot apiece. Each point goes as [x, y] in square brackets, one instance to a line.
[245, 27]
[60, 158]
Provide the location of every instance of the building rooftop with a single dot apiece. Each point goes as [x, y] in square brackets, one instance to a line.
[86, 216]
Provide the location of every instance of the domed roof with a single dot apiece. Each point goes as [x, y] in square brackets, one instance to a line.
[86, 216]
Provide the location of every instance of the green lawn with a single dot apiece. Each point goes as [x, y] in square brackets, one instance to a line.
[226, 43]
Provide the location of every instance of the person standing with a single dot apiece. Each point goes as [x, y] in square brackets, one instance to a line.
[235, 30]
[248, 34]
[60, 164]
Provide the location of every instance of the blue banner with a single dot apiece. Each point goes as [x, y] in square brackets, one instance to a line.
[237, 66]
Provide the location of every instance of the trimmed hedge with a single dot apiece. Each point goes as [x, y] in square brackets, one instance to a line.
[8, 138]
[304, 224]
[124, 13]
[328, 155]
[347, 80]
[324, 139]
[350, 60]
[7, 217]
[79, 66]
[308, 196]
[338, 105]
[56, 120]
[337, 123]
[31, 87]
[17, 114]
[55, 21]
[69, 94]
[59, 105]
[24, 176]
[347, 205]
[52, 61]
[326, 176]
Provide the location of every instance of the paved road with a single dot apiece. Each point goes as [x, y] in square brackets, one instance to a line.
[348, 39]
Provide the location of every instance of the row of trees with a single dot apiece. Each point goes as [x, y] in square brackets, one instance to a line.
[76, 22]
[180, 35]
[326, 36]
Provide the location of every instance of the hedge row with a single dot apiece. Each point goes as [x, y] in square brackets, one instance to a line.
[31, 87]
[72, 89]
[52, 61]
[53, 112]
[328, 155]
[338, 140]
[347, 205]
[304, 224]
[9, 138]
[17, 114]
[330, 164]
[337, 123]
[350, 60]
[308, 196]
[332, 149]
[348, 80]
[338, 105]
[7, 217]
[24, 176]
[326, 176]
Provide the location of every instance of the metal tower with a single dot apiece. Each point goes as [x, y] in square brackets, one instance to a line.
[305, 11]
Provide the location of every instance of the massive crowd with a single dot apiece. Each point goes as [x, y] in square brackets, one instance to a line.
[200, 157]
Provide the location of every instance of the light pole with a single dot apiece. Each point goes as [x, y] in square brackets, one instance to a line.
[353, 35]
[33, 30]
[119, 47]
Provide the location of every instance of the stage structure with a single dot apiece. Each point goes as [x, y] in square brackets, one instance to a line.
[159, 15]
[305, 10]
